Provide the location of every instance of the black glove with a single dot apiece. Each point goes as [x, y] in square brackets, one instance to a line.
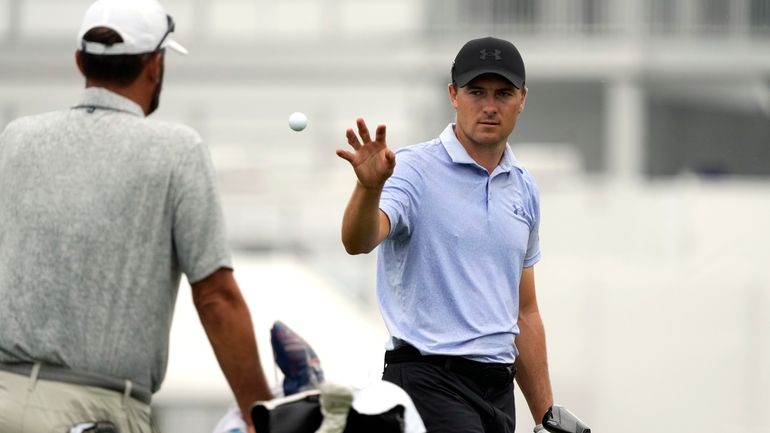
[559, 420]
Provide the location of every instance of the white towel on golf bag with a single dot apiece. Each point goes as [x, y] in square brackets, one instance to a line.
[375, 398]
[380, 396]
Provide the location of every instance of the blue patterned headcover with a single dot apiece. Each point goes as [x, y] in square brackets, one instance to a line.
[296, 359]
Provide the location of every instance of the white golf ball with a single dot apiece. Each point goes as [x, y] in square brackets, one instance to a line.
[298, 121]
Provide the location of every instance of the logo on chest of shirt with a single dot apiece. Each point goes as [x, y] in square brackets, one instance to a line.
[519, 210]
[521, 213]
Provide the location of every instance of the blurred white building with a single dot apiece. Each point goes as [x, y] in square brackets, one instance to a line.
[647, 127]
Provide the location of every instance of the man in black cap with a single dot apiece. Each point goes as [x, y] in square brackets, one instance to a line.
[458, 220]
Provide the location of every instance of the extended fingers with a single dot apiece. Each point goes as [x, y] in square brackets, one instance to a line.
[352, 139]
[380, 134]
[344, 154]
[363, 131]
[366, 139]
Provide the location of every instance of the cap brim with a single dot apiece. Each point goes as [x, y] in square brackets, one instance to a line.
[462, 80]
[176, 46]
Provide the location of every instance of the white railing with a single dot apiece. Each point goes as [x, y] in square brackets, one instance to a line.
[254, 20]
[646, 18]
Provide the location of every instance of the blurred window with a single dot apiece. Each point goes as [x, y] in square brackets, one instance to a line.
[714, 16]
[663, 17]
[593, 15]
[760, 16]
[521, 12]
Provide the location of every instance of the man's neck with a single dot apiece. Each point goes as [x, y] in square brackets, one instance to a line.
[129, 92]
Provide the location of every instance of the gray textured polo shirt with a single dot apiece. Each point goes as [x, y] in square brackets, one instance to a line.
[101, 211]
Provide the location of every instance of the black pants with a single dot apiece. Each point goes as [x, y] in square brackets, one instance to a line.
[449, 402]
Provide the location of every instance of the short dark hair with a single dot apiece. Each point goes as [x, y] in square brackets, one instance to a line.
[120, 69]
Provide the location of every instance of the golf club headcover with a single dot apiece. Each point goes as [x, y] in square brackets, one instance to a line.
[559, 420]
[296, 358]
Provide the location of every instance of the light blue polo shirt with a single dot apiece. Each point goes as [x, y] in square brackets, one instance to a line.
[448, 272]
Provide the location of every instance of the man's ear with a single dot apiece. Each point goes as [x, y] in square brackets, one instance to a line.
[154, 67]
[79, 61]
[523, 99]
[453, 94]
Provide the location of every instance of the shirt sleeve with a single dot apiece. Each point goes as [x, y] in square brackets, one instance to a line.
[399, 195]
[532, 255]
[199, 233]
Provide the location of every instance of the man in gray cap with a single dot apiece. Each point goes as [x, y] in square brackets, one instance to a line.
[457, 221]
[103, 210]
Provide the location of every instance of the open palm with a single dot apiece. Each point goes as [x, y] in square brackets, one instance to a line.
[372, 161]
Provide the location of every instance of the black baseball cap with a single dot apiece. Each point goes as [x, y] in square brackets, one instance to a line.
[488, 56]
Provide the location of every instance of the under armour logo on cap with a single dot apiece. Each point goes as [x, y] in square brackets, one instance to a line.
[484, 53]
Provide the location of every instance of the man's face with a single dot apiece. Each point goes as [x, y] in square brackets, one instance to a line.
[487, 110]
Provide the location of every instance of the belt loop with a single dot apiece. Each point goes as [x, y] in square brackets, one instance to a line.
[33, 376]
[127, 393]
[448, 364]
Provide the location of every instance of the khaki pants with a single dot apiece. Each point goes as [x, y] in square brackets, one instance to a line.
[29, 405]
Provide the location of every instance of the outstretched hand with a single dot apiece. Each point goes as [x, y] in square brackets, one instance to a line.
[372, 161]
